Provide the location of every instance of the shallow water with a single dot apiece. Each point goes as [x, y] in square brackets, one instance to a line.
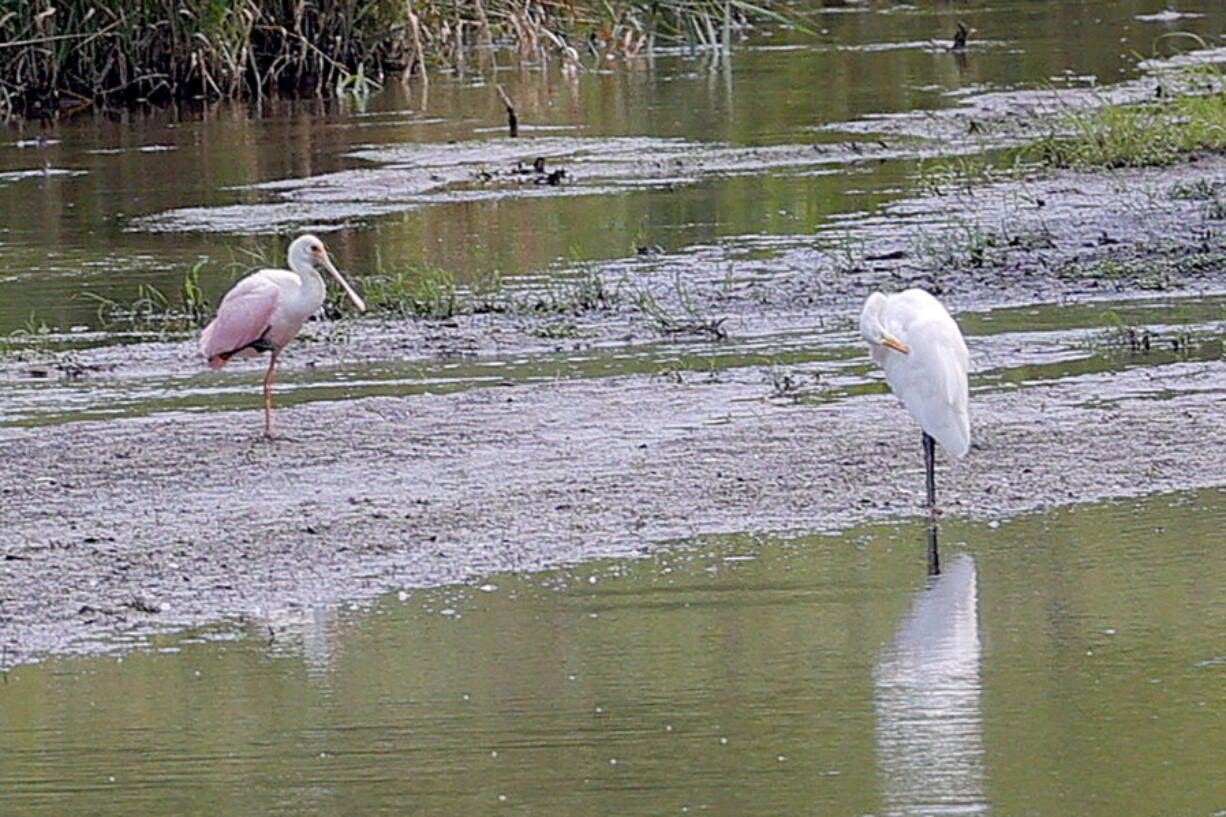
[1065, 662]
[100, 218]
[774, 360]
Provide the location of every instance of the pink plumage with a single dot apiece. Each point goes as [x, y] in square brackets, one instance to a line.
[265, 310]
[242, 319]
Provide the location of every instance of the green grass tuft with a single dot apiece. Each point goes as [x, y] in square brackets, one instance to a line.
[423, 291]
[1156, 133]
[154, 311]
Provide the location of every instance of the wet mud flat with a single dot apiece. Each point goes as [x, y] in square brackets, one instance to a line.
[178, 519]
[163, 522]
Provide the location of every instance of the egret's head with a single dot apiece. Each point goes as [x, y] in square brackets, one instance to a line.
[872, 327]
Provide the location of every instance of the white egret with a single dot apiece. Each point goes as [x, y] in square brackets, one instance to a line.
[912, 337]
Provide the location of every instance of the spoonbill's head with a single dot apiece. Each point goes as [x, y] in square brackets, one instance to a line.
[309, 253]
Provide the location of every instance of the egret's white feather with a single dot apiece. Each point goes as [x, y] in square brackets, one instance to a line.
[930, 377]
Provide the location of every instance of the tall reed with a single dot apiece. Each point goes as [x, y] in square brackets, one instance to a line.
[60, 53]
[56, 52]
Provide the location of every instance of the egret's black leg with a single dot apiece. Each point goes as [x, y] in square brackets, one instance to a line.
[930, 469]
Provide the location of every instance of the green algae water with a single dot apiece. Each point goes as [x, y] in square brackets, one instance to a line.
[1062, 663]
[1067, 663]
[102, 203]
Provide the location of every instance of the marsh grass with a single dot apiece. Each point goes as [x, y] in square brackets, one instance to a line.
[422, 291]
[948, 175]
[70, 52]
[1215, 209]
[426, 291]
[1204, 190]
[1188, 117]
[154, 311]
[963, 244]
[587, 291]
[1121, 273]
[844, 253]
[684, 319]
[34, 341]
[1161, 268]
[558, 330]
[793, 385]
[66, 53]
[1118, 337]
[1198, 190]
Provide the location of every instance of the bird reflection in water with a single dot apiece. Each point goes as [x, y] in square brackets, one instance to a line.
[308, 632]
[934, 556]
[927, 694]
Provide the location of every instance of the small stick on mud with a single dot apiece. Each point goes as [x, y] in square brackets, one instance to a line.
[713, 327]
[512, 119]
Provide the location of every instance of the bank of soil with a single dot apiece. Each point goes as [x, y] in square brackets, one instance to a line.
[180, 519]
[175, 520]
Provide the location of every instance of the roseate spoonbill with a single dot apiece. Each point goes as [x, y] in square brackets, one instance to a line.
[914, 339]
[265, 310]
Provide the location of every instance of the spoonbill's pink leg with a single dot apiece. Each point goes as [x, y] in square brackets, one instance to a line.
[268, 378]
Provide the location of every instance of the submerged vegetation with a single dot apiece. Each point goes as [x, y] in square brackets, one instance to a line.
[156, 311]
[76, 52]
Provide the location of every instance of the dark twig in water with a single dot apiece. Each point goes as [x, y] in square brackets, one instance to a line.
[960, 37]
[512, 119]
